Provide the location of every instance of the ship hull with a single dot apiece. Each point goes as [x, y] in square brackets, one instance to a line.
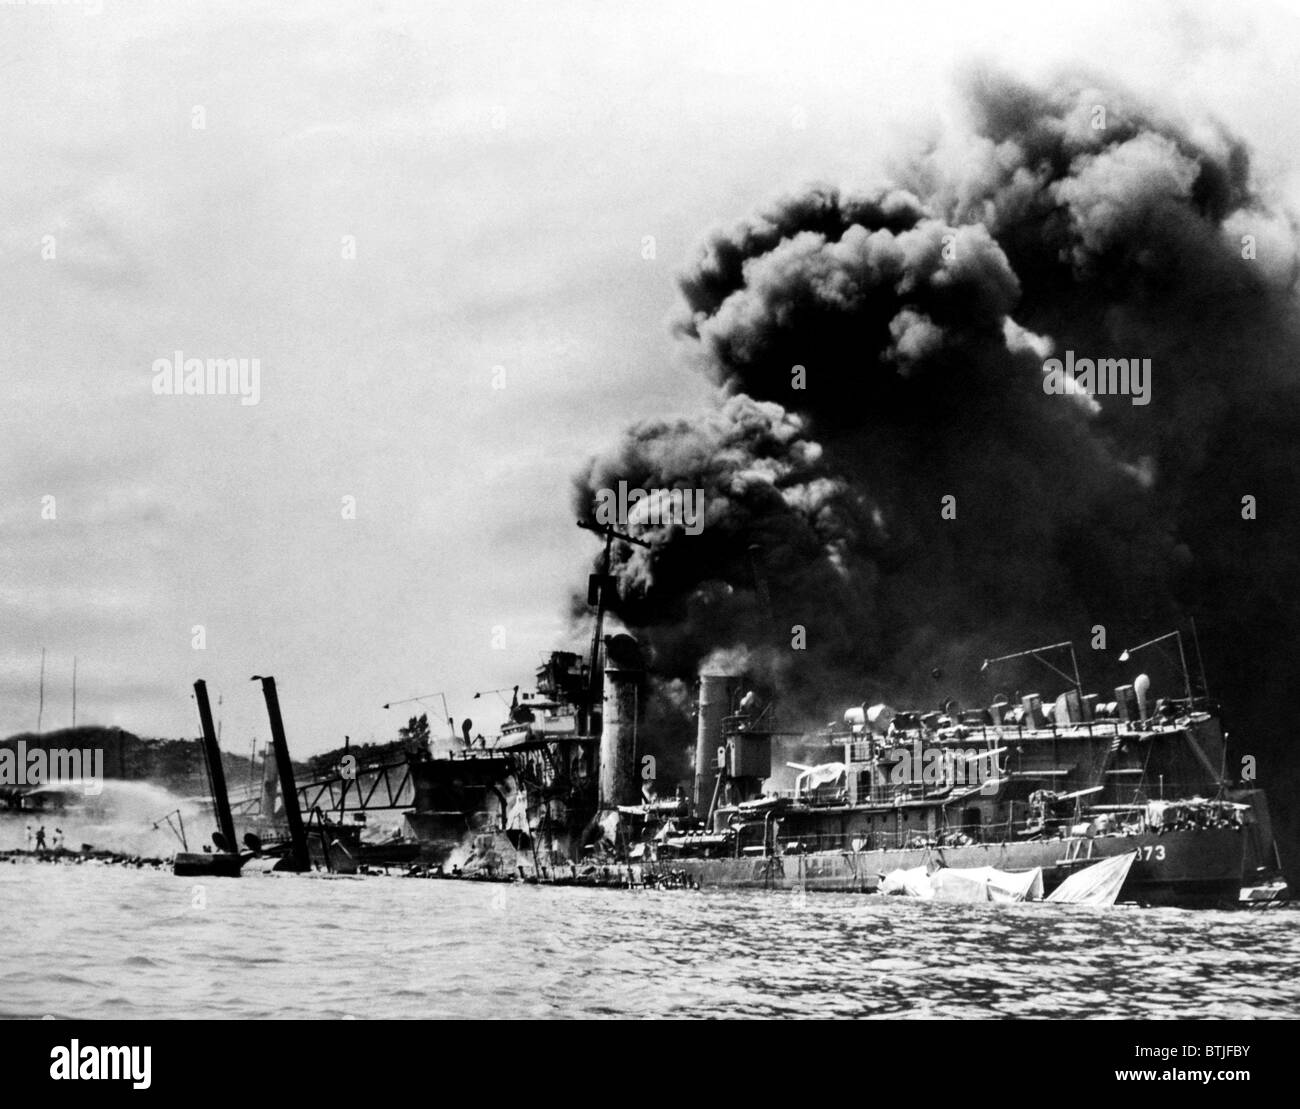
[1194, 869]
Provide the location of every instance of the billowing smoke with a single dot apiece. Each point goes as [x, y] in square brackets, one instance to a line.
[918, 501]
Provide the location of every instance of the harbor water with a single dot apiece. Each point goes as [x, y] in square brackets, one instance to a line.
[105, 941]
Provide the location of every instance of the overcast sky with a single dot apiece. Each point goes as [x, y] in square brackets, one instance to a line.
[500, 168]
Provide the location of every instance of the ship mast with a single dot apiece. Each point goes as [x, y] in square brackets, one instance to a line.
[40, 709]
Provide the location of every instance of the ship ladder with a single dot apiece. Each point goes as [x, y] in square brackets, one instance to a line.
[1074, 851]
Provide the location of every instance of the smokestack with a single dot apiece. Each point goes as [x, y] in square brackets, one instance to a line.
[714, 704]
[623, 703]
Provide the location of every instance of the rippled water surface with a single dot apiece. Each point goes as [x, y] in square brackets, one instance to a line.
[107, 942]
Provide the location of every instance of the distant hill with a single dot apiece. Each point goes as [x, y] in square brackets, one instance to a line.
[174, 763]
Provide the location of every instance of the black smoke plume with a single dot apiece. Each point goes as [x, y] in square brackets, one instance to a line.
[879, 351]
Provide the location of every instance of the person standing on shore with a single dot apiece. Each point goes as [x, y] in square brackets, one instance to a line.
[30, 837]
[40, 838]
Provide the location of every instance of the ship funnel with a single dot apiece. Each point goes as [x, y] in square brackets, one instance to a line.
[624, 705]
[716, 692]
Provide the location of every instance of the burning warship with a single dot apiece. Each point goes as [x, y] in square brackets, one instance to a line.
[1028, 797]
[566, 792]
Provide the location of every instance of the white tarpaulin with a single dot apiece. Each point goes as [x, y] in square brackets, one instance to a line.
[1098, 884]
[910, 883]
[982, 883]
[813, 777]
